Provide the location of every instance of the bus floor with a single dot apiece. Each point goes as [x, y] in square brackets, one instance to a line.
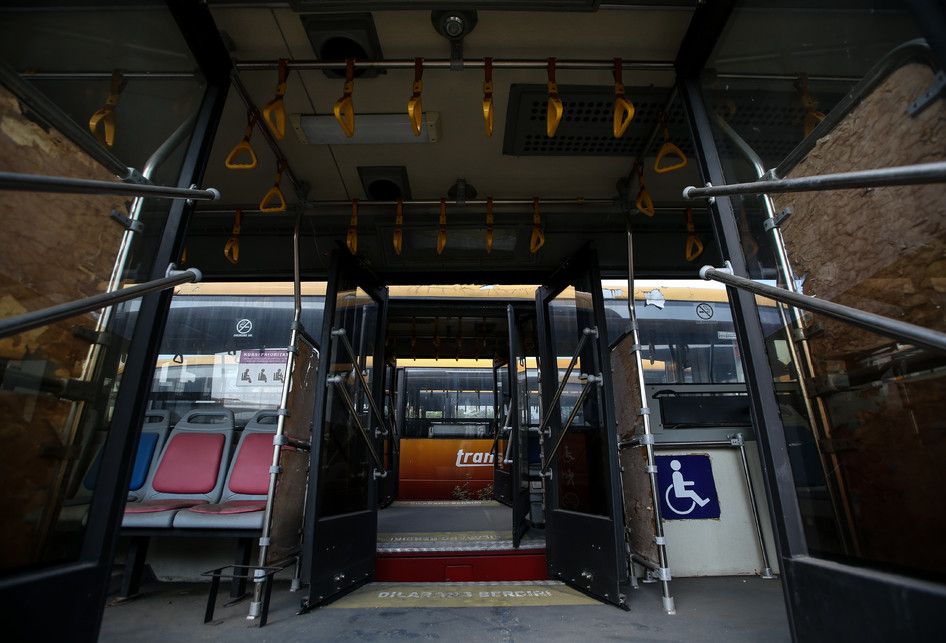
[442, 540]
[437, 525]
[743, 608]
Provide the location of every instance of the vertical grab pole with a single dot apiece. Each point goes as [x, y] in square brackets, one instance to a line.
[259, 574]
[766, 567]
[664, 571]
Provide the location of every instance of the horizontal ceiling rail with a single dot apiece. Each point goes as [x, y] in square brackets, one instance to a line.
[526, 204]
[107, 75]
[447, 64]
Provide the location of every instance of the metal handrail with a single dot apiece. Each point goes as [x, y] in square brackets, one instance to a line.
[447, 63]
[585, 334]
[870, 321]
[919, 174]
[20, 182]
[339, 383]
[590, 380]
[343, 338]
[35, 319]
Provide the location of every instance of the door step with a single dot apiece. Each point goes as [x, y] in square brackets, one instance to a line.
[434, 595]
[436, 565]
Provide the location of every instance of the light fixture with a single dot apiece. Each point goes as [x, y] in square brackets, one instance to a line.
[370, 129]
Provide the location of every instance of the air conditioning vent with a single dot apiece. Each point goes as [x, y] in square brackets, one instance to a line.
[585, 129]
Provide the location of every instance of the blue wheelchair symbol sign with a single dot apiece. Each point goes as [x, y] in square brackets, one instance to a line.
[686, 486]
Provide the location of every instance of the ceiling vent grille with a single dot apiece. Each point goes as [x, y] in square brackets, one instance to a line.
[585, 129]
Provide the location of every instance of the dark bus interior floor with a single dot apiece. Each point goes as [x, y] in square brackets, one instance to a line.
[450, 525]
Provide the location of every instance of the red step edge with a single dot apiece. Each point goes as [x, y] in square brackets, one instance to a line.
[456, 566]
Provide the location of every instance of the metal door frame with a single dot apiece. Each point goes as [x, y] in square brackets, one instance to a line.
[567, 560]
[326, 585]
[499, 423]
[519, 493]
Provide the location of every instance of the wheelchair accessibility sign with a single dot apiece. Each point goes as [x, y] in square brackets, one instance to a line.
[686, 486]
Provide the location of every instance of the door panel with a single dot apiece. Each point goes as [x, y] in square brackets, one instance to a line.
[387, 486]
[519, 430]
[347, 455]
[502, 411]
[584, 520]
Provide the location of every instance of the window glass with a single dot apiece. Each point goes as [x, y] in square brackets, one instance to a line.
[448, 403]
[686, 330]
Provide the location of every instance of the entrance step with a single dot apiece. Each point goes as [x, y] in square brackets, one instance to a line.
[435, 595]
[461, 565]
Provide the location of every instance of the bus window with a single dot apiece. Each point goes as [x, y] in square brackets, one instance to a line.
[686, 330]
[448, 403]
[225, 345]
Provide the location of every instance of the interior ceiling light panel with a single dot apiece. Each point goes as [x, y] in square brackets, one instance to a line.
[370, 129]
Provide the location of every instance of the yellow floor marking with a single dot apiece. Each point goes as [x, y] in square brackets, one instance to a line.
[432, 595]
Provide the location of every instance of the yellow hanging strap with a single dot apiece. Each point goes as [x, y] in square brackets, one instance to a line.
[623, 107]
[344, 107]
[643, 202]
[274, 200]
[668, 149]
[274, 112]
[184, 256]
[554, 108]
[694, 246]
[244, 147]
[488, 95]
[442, 233]
[398, 239]
[415, 109]
[352, 239]
[489, 224]
[231, 250]
[106, 115]
[812, 116]
[538, 237]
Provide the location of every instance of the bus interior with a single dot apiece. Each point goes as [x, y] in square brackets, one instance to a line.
[541, 310]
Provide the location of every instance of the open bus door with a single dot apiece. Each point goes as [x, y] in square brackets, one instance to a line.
[387, 486]
[518, 450]
[502, 414]
[339, 541]
[584, 518]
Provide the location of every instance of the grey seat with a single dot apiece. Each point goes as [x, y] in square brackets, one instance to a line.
[244, 496]
[190, 470]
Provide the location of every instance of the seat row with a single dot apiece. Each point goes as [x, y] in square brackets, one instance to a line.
[193, 482]
[186, 484]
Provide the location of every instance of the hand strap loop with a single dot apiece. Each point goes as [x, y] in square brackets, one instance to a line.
[352, 239]
[489, 224]
[232, 161]
[644, 202]
[274, 112]
[231, 249]
[415, 110]
[398, 239]
[344, 108]
[274, 200]
[538, 236]
[623, 108]
[668, 149]
[694, 246]
[105, 116]
[488, 95]
[554, 108]
[442, 232]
